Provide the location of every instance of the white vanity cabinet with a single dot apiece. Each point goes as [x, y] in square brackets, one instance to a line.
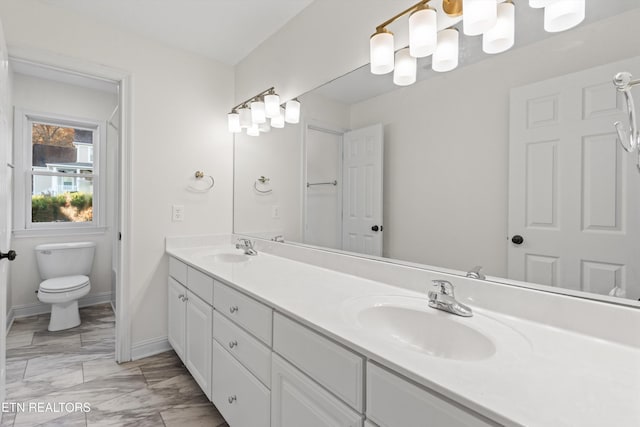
[190, 324]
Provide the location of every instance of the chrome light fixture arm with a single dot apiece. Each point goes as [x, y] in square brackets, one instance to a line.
[629, 138]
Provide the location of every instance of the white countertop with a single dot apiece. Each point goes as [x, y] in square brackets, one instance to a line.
[539, 375]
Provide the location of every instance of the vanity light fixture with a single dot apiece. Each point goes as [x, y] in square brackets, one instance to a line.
[262, 112]
[493, 19]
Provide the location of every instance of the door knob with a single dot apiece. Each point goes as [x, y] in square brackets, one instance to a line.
[11, 255]
[376, 228]
[517, 239]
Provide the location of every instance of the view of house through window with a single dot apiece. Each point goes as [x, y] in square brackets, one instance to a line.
[62, 174]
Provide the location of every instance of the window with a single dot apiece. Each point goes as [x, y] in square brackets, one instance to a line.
[60, 163]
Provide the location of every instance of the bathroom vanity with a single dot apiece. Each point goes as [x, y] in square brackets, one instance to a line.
[277, 342]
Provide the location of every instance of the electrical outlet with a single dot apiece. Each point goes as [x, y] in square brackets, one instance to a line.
[275, 211]
[177, 213]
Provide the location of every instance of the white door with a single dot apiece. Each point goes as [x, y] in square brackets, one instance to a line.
[6, 181]
[362, 190]
[177, 317]
[574, 193]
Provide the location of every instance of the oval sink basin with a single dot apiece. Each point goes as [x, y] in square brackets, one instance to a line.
[427, 331]
[230, 257]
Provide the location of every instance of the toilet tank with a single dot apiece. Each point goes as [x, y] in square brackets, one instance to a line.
[65, 259]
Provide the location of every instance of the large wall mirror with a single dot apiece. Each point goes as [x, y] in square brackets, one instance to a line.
[509, 162]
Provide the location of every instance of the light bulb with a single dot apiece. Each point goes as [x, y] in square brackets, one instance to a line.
[253, 130]
[445, 58]
[405, 72]
[502, 36]
[423, 32]
[478, 16]
[257, 112]
[245, 117]
[271, 105]
[292, 111]
[381, 52]
[561, 15]
[278, 121]
[233, 120]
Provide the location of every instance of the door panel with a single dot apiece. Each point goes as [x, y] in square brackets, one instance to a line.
[362, 194]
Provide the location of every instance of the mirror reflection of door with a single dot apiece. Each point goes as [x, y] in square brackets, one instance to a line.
[573, 190]
[343, 191]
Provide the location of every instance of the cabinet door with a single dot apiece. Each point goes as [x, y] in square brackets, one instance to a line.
[177, 310]
[198, 342]
[298, 401]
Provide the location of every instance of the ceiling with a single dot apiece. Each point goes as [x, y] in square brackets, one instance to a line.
[225, 30]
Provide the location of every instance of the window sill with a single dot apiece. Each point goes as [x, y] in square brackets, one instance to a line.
[55, 232]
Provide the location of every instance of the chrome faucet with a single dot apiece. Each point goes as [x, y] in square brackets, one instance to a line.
[247, 246]
[476, 273]
[278, 239]
[442, 297]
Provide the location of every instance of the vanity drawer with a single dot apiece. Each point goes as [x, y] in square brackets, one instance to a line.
[393, 401]
[178, 270]
[330, 364]
[244, 311]
[239, 396]
[254, 355]
[200, 284]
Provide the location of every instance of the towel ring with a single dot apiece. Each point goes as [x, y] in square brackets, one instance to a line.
[199, 175]
[264, 181]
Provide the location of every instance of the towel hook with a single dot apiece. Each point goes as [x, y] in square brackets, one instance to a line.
[629, 139]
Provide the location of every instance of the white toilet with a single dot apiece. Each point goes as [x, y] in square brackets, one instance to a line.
[64, 269]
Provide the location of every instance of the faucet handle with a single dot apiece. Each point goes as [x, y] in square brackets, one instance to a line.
[444, 287]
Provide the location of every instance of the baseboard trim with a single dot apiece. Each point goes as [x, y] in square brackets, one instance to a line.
[149, 347]
[26, 310]
[11, 315]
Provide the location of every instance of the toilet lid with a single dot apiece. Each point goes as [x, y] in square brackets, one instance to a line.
[64, 284]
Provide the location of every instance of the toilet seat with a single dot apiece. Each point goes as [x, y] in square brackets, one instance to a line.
[64, 284]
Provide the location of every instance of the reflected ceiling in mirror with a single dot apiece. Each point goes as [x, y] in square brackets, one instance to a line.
[471, 159]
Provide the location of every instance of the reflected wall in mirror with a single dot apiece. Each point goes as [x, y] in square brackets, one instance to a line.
[510, 162]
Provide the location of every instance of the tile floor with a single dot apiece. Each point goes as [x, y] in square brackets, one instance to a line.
[77, 365]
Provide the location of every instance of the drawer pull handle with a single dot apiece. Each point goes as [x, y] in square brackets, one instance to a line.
[232, 399]
[233, 309]
[233, 344]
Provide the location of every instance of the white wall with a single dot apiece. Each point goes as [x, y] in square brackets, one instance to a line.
[47, 96]
[180, 101]
[326, 40]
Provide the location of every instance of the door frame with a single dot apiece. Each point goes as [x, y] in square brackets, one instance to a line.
[125, 80]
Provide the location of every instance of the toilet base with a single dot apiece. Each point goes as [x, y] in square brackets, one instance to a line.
[64, 316]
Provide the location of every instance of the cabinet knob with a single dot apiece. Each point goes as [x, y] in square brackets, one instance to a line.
[232, 399]
[233, 309]
[181, 297]
[233, 344]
